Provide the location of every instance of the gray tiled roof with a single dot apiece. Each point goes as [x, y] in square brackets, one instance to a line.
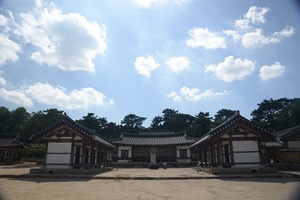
[274, 144]
[286, 133]
[77, 126]
[157, 138]
[236, 118]
[11, 142]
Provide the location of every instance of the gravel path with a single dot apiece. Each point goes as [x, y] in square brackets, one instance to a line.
[36, 189]
[58, 188]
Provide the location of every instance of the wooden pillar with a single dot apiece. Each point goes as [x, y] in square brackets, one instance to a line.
[83, 157]
[7, 154]
[231, 151]
[147, 154]
[92, 160]
[205, 155]
[159, 152]
[211, 155]
[105, 155]
[222, 153]
[87, 157]
[72, 153]
[260, 151]
[45, 154]
[218, 153]
[200, 155]
[98, 154]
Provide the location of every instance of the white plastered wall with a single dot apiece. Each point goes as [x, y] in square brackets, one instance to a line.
[246, 152]
[294, 145]
[58, 153]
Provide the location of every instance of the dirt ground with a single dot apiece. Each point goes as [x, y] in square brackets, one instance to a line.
[206, 188]
[264, 188]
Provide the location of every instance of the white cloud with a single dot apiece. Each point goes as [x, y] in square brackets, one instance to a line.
[235, 34]
[205, 38]
[273, 71]
[242, 23]
[57, 96]
[194, 94]
[16, 96]
[67, 41]
[144, 3]
[45, 93]
[145, 65]
[3, 20]
[178, 64]
[287, 32]
[2, 80]
[174, 96]
[149, 3]
[8, 49]
[257, 14]
[254, 37]
[231, 69]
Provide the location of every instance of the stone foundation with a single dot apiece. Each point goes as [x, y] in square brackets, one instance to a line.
[239, 170]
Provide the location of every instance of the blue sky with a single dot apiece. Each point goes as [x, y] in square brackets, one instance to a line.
[120, 57]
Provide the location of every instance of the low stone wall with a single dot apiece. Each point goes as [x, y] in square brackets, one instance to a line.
[69, 171]
[290, 157]
[160, 165]
[285, 166]
[239, 170]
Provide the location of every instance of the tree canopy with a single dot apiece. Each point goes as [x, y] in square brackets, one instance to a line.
[273, 115]
[279, 114]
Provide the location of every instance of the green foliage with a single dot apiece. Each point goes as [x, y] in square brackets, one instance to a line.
[279, 114]
[35, 152]
[223, 115]
[132, 123]
[20, 121]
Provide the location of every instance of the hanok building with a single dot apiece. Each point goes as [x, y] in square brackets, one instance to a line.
[11, 148]
[291, 140]
[169, 146]
[69, 144]
[235, 143]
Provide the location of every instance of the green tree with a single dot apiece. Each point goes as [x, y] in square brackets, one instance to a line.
[4, 120]
[52, 115]
[295, 113]
[132, 123]
[112, 130]
[278, 114]
[94, 122]
[169, 117]
[203, 123]
[18, 119]
[157, 123]
[222, 115]
[35, 123]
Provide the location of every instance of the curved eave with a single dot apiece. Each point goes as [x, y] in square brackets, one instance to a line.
[200, 141]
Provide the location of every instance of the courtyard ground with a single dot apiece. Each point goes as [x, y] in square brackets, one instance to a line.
[114, 185]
